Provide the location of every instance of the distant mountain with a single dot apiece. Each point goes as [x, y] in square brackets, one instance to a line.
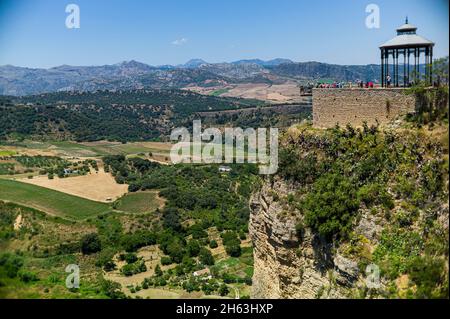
[194, 63]
[196, 72]
[273, 62]
[318, 71]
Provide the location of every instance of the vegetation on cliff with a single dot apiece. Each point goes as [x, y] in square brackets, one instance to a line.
[399, 176]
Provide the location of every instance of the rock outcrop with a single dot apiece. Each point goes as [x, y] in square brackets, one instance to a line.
[292, 263]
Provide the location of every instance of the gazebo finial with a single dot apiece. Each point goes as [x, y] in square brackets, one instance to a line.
[406, 21]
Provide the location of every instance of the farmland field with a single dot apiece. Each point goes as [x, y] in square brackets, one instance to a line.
[50, 201]
[85, 149]
[140, 202]
[98, 186]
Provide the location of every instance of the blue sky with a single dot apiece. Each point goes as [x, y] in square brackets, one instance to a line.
[33, 32]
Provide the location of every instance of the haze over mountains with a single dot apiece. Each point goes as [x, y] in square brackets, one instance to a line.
[196, 73]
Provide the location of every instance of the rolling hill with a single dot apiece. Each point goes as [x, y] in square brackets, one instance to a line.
[19, 81]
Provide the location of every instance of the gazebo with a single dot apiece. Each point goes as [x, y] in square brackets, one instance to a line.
[406, 43]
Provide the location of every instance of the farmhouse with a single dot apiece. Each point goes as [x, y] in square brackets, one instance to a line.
[204, 273]
[387, 101]
[224, 169]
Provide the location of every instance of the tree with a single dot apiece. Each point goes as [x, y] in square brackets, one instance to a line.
[206, 257]
[213, 244]
[234, 250]
[166, 260]
[90, 244]
[331, 206]
[223, 290]
[158, 271]
[134, 187]
[112, 289]
[109, 266]
[171, 219]
[193, 248]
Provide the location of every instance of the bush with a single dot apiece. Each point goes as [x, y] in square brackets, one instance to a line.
[233, 250]
[11, 263]
[134, 241]
[90, 244]
[213, 244]
[130, 258]
[112, 289]
[193, 248]
[166, 260]
[331, 206]
[27, 276]
[231, 243]
[135, 268]
[109, 266]
[428, 274]
[206, 257]
[158, 271]
[223, 290]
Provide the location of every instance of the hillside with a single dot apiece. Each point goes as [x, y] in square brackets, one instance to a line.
[135, 75]
[120, 115]
[346, 202]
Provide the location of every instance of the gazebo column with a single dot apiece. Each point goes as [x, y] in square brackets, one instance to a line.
[407, 83]
[382, 67]
[427, 65]
[396, 67]
[404, 67]
[431, 65]
[417, 65]
[387, 65]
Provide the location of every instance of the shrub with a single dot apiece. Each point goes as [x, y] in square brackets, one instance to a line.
[213, 244]
[206, 257]
[331, 206]
[166, 260]
[130, 258]
[233, 250]
[193, 248]
[223, 290]
[90, 244]
[27, 276]
[158, 271]
[428, 274]
[112, 289]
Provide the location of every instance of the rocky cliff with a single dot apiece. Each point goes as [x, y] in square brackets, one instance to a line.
[289, 264]
[393, 244]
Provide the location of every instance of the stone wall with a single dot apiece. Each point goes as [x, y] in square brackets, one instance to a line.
[354, 106]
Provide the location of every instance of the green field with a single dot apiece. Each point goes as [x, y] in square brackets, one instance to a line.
[141, 202]
[219, 92]
[7, 153]
[50, 201]
[69, 148]
[239, 266]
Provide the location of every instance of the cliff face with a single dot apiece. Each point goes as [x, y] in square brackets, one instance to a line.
[375, 228]
[288, 264]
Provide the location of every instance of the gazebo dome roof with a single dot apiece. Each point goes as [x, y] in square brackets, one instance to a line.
[407, 27]
[407, 40]
[407, 37]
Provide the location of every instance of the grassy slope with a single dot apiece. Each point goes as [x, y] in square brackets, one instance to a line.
[139, 202]
[50, 201]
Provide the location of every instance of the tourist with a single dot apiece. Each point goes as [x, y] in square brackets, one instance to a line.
[388, 80]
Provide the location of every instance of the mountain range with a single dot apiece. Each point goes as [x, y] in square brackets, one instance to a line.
[19, 81]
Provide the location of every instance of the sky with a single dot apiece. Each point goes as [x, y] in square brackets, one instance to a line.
[33, 33]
